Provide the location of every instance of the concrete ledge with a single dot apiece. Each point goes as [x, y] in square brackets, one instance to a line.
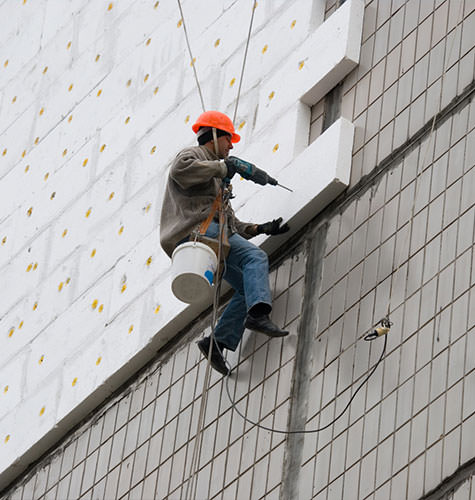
[322, 61]
[317, 176]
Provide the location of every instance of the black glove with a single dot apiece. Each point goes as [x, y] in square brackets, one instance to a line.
[273, 227]
[231, 166]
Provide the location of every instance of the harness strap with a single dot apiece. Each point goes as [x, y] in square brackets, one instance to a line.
[214, 207]
[217, 206]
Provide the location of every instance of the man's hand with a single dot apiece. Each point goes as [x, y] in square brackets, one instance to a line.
[232, 167]
[272, 227]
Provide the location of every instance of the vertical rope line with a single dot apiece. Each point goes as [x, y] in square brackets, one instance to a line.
[192, 481]
[191, 56]
[419, 170]
[254, 5]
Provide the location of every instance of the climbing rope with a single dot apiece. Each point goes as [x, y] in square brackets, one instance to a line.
[254, 5]
[192, 61]
[192, 480]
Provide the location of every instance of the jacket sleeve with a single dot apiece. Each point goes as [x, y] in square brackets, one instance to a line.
[244, 229]
[187, 170]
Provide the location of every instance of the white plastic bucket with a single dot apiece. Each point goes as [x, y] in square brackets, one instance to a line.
[193, 270]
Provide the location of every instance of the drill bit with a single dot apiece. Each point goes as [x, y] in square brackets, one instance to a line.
[288, 189]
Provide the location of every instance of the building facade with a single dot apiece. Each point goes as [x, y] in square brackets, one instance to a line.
[365, 109]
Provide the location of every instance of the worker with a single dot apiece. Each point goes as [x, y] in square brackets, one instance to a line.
[195, 178]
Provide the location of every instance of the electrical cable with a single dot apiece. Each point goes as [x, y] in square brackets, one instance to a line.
[310, 431]
[385, 325]
[192, 62]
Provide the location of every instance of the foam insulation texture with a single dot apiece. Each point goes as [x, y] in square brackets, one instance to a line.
[96, 99]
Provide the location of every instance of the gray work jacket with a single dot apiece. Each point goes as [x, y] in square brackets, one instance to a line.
[193, 183]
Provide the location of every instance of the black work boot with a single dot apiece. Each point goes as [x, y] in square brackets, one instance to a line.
[263, 324]
[217, 361]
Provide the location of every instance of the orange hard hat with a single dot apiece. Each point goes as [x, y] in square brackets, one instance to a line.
[218, 120]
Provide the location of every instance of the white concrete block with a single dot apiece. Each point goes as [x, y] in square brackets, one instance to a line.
[23, 274]
[116, 236]
[57, 15]
[322, 61]
[270, 47]
[55, 195]
[137, 270]
[14, 142]
[11, 383]
[20, 325]
[26, 425]
[17, 17]
[8, 231]
[21, 45]
[70, 230]
[316, 176]
[272, 150]
[63, 336]
[88, 371]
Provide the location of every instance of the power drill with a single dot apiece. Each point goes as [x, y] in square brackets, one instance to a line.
[250, 172]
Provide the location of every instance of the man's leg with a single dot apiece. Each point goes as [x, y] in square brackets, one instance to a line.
[230, 327]
[247, 271]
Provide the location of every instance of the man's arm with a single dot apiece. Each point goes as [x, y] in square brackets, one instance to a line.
[271, 228]
[188, 170]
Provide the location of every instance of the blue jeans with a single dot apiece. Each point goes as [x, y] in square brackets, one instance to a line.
[247, 271]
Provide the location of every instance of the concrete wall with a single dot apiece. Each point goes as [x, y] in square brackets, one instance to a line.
[399, 239]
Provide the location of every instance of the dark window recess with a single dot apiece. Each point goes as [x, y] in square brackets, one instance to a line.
[331, 107]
